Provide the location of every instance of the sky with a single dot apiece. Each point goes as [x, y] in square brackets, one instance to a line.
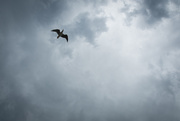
[121, 62]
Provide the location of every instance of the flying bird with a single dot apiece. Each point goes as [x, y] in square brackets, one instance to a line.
[60, 34]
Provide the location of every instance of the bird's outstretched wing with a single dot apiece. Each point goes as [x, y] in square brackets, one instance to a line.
[56, 30]
[65, 36]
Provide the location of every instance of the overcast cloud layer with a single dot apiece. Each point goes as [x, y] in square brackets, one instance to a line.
[121, 62]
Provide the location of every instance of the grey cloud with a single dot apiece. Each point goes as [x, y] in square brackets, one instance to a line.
[162, 98]
[152, 11]
[35, 87]
[28, 78]
[20, 52]
[84, 26]
[155, 9]
[23, 13]
[96, 3]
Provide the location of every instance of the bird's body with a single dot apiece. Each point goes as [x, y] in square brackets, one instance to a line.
[60, 34]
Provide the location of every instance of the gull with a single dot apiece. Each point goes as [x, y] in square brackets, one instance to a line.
[60, 34]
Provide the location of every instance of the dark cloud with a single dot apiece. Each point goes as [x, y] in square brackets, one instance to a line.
[155, 10]
[28, 79]
[20, 53]
[41, 80]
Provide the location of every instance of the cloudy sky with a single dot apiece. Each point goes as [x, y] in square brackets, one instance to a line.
[121, 62]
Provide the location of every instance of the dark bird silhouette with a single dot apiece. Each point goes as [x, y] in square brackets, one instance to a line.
[60, 34]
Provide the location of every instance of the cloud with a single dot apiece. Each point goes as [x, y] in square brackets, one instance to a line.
[152, 11]
[28, 70]
[155, 9]
[85, 26]
[131, 73]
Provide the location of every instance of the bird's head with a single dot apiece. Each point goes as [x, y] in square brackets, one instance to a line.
[62, 31]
